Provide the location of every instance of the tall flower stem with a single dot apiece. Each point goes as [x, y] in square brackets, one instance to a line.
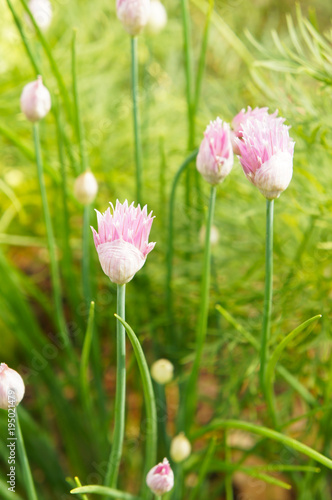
[169, 258]
[137, 134]
[120, 394]
[267, 295]
[27, 476]
[55, 274]
[191, 392]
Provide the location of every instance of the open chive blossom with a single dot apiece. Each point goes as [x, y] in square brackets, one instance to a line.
[241, 118]
[134, 14]
[266, 154]
[122, 240]
[215, 157]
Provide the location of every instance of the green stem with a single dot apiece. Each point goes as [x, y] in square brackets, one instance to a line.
[203, 316]
[55, 274]
[68, 265]
[264, 353]
[201, 64]
[169, 260]
[120, 395]
[150, 405]
[138, 146]
[218, 424]
[78, 118]
[86, 257]
[28, 480]
[84, 366]
[18, 23]
[228, 477]
[189, 71]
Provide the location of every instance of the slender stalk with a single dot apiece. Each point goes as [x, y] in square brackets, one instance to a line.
[86, 234]
[18, 23]
[68, 266]
[55, 274]
[267, 295]
[137, 135]
[189, 70]
[120, 394]
[203, 316]
[84, 365]
[150, 405]
[169, 259]
[265, 432]
[28, 480]
[78, 118]
[228, 477]
[202, 58]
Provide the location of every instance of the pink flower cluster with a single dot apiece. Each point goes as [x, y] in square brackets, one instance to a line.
[266, 152]
[215, 156]
[122, 240]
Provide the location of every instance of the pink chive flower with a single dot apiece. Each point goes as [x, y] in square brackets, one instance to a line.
[134, 14]
[122, 240]
[160, 479]
[266, 154]
[11, 387]
[35, 100]
[215, 157]
[240, 119]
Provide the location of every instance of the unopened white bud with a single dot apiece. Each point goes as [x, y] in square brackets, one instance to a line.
[11, 387]
[180, 448]
[157, 19]
[133, 14]
[162, 371]
[85, 188]
[214, 236]
[35, 100]
[42, 13]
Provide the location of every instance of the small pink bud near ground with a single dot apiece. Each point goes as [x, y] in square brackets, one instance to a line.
[122, 240]
[134, 14]
[157, 19]
[160, 479]
[42, 13]
[180, 448]
[10, 381]
[162, 371]
[215, 157]
[266, 154]
[85, 188]
[35, 100]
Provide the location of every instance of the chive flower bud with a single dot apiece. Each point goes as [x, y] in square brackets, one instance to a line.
[160, 479]
[215, 156]
[180, 448]
[162, 371]
[11, 387]
[85, 188]
[134, 14]
[157, 19]
[35, 100]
